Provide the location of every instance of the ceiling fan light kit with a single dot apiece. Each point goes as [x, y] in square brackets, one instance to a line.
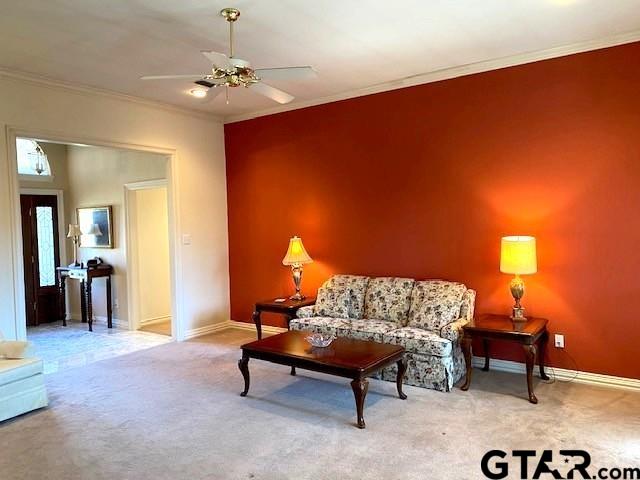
[231, 72]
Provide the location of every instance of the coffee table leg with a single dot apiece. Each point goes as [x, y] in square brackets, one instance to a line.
[402, 368]
[530, 353]
[360, 387]
[466, 349]
[293, 370]
[243, 365]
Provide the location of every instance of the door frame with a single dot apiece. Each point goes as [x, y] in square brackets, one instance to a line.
[133, 287]
[175, 253]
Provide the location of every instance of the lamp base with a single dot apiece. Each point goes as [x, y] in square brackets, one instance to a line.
[297, 297]
[517, 314]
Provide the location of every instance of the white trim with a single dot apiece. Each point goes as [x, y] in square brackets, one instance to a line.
[133, 282]
[206, 330]
[561, 374]
[155, 320]
[448, 73]
[116, 322]
[146, 184]
[62, 232]
[24, 77]
[177, 297]
[252, 327]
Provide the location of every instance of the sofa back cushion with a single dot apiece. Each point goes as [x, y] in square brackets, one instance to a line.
[388, 298]
[332, 302]
[435, 303]
[355, 286]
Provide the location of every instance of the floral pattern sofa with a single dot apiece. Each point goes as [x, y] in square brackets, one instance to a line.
[425, 317]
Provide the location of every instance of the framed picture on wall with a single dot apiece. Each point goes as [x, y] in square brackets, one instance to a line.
[96, 227]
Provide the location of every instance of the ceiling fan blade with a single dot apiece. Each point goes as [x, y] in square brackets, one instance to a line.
[271, 92]
[286, 73]
[195, 76]
[219, 60]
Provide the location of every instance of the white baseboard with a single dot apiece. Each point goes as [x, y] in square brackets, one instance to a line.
[155, 320]
[252, 327]
[563, 374]
[206, 330]
[117, 322]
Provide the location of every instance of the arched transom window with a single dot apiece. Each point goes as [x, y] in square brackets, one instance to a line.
[31, 158]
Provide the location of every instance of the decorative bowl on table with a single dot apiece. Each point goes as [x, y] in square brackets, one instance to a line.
[320, 339]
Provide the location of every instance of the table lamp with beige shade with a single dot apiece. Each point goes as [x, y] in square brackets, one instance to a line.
[296, 256]
[518, 257]
[74, 233]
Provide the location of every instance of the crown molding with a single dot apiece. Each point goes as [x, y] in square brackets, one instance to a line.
[452, 72]
[24, 77]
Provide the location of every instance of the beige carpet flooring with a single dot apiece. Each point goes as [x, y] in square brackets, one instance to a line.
[173, 412]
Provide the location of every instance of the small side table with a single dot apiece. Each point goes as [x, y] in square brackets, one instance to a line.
[500, 327]
[288, 308]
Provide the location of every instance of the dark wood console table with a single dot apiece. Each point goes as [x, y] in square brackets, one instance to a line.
[500, 327]
[85, 275]
[288, 308]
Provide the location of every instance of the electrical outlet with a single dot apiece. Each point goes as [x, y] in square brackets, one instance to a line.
[559, 341]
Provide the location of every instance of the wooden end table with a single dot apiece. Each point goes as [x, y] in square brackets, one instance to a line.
[500, 327]
[345, 357]
[288, 308]
[85, 275]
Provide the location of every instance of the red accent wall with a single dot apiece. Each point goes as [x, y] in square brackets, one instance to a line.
[423, 181]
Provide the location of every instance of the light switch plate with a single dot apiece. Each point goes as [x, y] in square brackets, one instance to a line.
[186, 239]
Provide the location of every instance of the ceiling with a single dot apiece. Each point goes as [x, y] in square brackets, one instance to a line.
[352, 44]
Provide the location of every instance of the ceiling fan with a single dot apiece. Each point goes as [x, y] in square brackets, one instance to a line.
[230, 72]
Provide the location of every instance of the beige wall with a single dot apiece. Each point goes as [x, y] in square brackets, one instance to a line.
[148, 210]
[198, 191]
[96, 178]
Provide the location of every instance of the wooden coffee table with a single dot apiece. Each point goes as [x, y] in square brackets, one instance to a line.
[355, 359]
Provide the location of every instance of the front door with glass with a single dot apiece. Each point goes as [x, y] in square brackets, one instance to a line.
[41, 251]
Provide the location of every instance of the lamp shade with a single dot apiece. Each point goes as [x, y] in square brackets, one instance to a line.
[94, 230]
[74, 231]
[518, 255]
[296, 253]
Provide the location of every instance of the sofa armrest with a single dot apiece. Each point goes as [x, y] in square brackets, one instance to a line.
[306, 312]
[453, 331]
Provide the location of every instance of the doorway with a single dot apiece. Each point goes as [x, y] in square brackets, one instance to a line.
[41, 257]
[148, 259]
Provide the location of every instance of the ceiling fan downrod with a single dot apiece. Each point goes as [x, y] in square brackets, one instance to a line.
[230, 15]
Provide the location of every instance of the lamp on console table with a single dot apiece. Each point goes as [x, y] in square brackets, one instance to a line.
[518, 257]
[296, 256]
[74, 233]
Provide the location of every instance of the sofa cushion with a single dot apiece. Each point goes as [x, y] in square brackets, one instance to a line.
[435, 303]
[366, 329]
[388, 298]
[356, 285]
[325, 325]
[417, 340]
[332, 302]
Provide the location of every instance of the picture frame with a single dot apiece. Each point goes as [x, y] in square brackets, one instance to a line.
[96, 226]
